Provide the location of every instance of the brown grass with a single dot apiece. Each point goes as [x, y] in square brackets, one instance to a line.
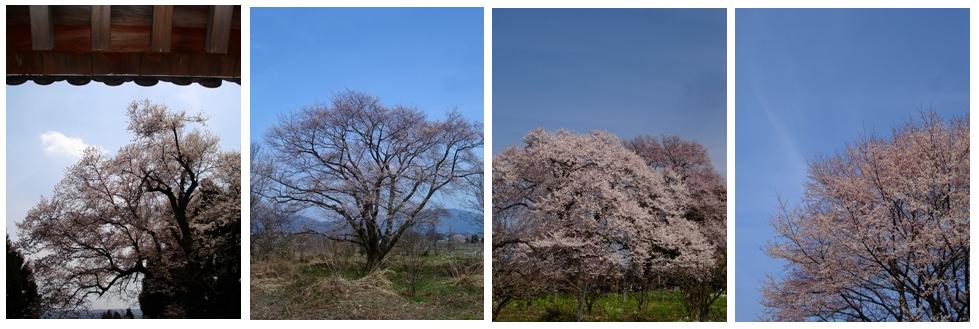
[318, 288]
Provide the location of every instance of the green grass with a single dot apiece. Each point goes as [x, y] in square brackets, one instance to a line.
[661, 305]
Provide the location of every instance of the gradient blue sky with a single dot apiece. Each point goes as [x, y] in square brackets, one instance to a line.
[626, 71]
[808, 82]
[93, 114]
[429, 58]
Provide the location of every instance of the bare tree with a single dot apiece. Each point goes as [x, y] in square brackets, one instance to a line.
[269, 219]
[474, 189]
[374, 167]
[882, 233]
[159, 218]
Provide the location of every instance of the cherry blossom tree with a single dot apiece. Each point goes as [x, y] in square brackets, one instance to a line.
[158, 220]
[514, 269]
[584, 210]
[373, 167]
[882, 233]
[707, 207]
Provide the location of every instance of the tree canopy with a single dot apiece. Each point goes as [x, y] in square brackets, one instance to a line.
[882, 233]
[156, 221]
[573, 213]
[372, 167]
[707, 207]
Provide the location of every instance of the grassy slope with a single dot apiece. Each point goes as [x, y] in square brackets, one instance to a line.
[661, 305]
[336, 289]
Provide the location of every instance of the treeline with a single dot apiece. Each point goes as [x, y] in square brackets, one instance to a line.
[112, 314]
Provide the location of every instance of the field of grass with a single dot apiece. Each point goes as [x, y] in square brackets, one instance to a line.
[448, 285]
[661, 305]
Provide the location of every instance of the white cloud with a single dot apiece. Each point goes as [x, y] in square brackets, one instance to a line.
[57, 144]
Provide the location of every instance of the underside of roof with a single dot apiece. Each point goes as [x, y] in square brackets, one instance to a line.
[118, 44]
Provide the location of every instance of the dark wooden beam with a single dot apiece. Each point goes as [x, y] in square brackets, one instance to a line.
[219, 29]
[162, 29]
[59, 63]
[42, 30]
[101, 28]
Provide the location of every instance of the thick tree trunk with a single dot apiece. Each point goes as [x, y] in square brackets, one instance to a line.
[375, 252]
[375, 259]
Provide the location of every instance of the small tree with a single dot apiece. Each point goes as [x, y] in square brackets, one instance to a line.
[374, 167]
[882, 233]
[23, 301]
[414, 249]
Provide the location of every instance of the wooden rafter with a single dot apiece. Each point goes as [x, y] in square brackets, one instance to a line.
[162, 29]
[123, 43]
[42, 30]
[219, 29]
[101, 28]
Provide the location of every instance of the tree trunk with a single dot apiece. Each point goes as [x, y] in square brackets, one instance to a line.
[640, 305]
[582, 299]
[375, 258]
[704, 310]
[499, 306]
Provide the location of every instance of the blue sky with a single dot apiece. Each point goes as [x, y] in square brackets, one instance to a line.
[47, 126]
[429, 58]
[810, 81]
[626, 71]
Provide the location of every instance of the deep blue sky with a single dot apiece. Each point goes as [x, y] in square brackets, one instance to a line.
[429, 58]
[810, 81]
[627, 71]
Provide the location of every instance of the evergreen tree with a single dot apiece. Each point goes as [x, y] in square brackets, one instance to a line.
[23, 302]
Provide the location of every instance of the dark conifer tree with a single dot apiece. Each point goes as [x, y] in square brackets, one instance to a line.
[23, 302]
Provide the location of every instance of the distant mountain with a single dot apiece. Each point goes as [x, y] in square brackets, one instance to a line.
[460, 221]
[450, 220]
[300, 223]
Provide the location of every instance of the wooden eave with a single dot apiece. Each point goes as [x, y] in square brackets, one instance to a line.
[118, 44]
